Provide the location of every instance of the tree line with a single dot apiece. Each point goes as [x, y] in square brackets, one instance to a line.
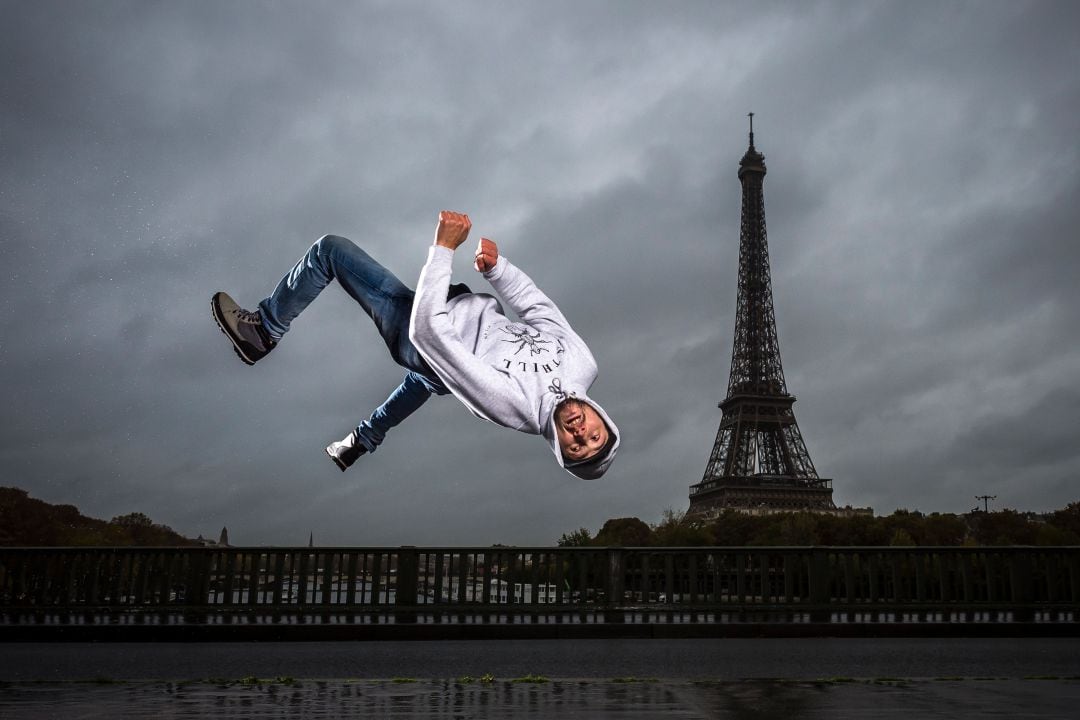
[902, 528]
[29, 522]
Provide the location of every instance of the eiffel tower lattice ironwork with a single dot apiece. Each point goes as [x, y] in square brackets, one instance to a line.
[759, 461]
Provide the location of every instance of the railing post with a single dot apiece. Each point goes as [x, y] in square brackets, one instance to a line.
[615, 584]
[198, 584]
[917, 558]
[873, 585]
[819, 585]
[669, 578]
[790, 571]
[229, 559]
[740, 578]
[849, 580]
[301, 578]
[965, 579]
[408, 575]
[1051, 578]
[1020, 566]
[1073, 563]
[945, 577]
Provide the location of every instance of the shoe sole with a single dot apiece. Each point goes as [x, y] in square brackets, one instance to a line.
[215, 313]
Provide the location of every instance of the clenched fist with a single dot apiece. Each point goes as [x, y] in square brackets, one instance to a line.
[453, 229]
[487, 254]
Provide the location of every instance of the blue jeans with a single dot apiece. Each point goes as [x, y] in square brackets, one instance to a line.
[386, 300]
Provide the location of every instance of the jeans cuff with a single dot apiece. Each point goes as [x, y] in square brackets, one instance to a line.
[369, 437]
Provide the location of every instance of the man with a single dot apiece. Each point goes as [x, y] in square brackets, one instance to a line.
[531, 376]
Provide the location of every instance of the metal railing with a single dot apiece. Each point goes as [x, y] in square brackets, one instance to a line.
[499, 584]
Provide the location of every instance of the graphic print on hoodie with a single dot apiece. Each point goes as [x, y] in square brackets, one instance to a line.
[511, 373]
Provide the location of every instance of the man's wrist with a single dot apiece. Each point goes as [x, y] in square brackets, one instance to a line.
[495, 271]
[441, 250]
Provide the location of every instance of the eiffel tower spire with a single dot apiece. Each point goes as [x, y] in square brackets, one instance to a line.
[759, 460]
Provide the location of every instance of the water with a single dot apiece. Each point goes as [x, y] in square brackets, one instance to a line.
[704, 678]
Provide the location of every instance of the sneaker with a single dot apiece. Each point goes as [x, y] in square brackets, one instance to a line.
[243, 327]
[345, 452]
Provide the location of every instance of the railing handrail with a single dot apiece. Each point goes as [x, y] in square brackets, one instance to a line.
[537, 548]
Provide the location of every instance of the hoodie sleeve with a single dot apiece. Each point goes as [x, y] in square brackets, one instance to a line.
[483, 389]
[530, 304]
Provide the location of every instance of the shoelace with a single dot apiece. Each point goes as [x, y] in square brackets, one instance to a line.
[249, 316]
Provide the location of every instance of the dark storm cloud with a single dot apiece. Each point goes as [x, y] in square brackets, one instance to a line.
[920, 212]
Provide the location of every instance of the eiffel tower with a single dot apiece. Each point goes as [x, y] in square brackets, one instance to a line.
[759, 462]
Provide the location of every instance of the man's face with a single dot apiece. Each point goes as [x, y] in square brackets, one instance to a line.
[580, 430]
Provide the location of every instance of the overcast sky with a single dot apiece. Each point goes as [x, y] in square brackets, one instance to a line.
[921, 201]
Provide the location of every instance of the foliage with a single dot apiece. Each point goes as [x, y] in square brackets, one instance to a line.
[901, 538]
[29, 522]
[538, 679]
[1068, 521]
[1005, 527]
[486, 678]
[577, 538]
[676, 530]
[903, 527]
[135, 519]
[734, 528]
[623, 532]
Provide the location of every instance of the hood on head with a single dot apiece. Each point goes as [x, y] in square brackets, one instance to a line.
[599, 463]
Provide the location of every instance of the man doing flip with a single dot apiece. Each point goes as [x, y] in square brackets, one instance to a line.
[531, 376]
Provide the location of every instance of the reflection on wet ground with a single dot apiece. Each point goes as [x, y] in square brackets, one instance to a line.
[834, 698]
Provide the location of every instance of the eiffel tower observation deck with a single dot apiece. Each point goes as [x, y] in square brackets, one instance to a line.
[759, 462]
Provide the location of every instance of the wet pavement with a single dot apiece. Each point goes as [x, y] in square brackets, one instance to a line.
[800, 678]
[703, 659]
[835, 699]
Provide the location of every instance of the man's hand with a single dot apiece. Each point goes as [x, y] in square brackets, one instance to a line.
[453, 229]
[487, 254]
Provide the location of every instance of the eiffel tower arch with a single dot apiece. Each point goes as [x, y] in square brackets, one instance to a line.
[759, 462]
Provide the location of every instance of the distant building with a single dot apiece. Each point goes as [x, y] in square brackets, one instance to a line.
[222, 541]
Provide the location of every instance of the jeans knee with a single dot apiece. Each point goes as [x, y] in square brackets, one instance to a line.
[328, 244]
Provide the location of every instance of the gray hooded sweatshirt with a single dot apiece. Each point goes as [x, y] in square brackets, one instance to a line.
[511, 373]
